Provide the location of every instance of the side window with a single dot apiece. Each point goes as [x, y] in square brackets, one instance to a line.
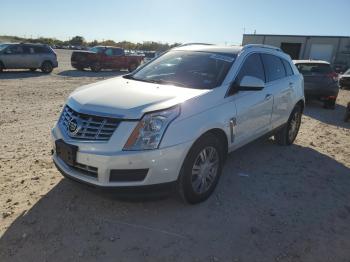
[273, 67]
[118, 52]
[14, 49]
[288, 68]
[109, 52]
[28, 50]
[41, 50]
[252, 67]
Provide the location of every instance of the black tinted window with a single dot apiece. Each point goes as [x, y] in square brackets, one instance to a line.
[252, 67]
[273, 67]
[41, 50]
[118, 52]
[288, 68]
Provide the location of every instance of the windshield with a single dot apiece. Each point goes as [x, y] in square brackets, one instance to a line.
[314, 68]
[97, 49]
[3, 46]
[199, 70]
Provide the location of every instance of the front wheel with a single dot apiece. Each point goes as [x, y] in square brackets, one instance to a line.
[201, 170]
[289, 132]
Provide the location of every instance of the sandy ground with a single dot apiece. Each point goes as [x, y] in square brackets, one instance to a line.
[272, 203]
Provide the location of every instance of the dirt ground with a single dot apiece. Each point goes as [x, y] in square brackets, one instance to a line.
[273, 203]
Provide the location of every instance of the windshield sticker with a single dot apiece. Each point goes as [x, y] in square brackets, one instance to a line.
[223, 58]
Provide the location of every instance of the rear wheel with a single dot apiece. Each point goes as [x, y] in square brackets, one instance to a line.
[46, 67]
[201, 170]
[96, 67]
[329, 104]
[289, 132]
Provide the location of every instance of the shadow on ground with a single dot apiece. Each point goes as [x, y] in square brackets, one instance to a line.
[89, 73]
[314, 109]
[20, 74]
[257, 213]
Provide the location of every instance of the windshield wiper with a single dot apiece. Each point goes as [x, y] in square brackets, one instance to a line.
[162, 81]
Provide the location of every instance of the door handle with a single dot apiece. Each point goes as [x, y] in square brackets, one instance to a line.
[268, 96]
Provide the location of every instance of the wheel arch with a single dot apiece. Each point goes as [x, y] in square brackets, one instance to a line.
[301, 102]
[218, 133]
[46, 60]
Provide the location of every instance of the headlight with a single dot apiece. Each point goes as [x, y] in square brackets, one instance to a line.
[149, 131]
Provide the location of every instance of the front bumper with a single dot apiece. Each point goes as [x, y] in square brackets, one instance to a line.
[162, 165]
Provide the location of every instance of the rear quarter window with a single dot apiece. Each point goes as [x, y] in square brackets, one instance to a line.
[289, 70]
[274, 67]
[41, 50]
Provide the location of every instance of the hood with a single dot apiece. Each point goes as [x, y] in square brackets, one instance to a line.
[128, 99]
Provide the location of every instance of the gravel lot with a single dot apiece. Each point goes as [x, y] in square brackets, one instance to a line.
[272, 203]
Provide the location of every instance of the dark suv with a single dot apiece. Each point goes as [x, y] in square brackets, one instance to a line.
[320, 81]
[27, 56]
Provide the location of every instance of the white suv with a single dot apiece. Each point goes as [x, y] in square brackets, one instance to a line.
[176, 118]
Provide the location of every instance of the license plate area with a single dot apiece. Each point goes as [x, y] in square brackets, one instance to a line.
[66, 152]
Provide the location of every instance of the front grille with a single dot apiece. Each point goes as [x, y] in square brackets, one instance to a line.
[88, 127]
[85, 170]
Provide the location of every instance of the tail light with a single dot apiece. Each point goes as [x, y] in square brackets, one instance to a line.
[333, 75]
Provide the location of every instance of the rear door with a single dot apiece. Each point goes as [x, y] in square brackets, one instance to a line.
[29, 58]
[281, 85]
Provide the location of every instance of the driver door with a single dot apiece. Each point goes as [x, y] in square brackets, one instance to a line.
[254, 108]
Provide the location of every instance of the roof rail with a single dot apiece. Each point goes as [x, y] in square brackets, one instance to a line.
[186, 44]
[262, 46]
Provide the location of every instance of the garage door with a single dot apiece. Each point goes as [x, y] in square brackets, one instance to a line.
[321, 52]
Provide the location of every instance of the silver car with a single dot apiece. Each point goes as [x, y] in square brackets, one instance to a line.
[27, 56]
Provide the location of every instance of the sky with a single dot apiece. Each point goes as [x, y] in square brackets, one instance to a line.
[209, 21]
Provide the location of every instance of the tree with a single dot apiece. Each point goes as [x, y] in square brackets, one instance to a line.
[77, 40]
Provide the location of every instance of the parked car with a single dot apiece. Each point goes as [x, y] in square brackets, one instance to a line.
[175, 119]
[344, 80]
[150, 55]
[105, 57]
[320, 81]
[27, 56]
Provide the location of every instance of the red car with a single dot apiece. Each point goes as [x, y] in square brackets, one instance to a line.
[105, 57]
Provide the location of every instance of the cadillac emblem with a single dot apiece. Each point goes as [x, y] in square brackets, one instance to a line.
[74, 126]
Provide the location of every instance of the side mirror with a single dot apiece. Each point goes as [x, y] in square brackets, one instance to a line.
[251, 83]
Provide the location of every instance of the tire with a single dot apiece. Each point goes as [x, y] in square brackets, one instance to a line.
[96, 67]
[1, 67]
[46, 67]
[201, 170]
[80, 68]
[329, 104]
[132, 67]
[32, 69]
[289, 132]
